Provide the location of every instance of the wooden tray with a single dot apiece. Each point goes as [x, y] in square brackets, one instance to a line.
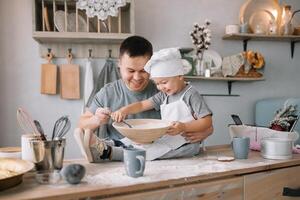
[16, 165]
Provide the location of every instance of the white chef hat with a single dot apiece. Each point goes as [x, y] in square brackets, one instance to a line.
[165, 63]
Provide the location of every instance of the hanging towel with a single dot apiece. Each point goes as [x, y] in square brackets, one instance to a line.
[88, 83]
[108, 74]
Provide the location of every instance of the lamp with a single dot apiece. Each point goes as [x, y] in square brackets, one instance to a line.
[101, 8]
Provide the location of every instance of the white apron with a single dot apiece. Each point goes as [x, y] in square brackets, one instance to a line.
[175, 111]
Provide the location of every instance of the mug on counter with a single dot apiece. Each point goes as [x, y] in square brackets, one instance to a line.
[134, 161]
[26, 152]
[240, 146]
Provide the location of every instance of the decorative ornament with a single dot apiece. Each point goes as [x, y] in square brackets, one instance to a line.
[201, 37]
[101, 8]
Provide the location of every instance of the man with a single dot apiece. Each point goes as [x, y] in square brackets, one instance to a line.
[133, 86]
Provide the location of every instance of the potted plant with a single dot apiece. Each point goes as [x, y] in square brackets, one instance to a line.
[284, 118]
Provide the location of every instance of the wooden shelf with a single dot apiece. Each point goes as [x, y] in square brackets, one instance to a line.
[224, 78]
[81, 33]
[245, 37]
[79, 37]
[249, 36]
[229, 81]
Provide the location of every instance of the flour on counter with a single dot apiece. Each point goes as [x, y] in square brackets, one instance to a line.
[113, 174]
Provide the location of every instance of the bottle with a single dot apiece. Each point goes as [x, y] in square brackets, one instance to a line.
[286, 20]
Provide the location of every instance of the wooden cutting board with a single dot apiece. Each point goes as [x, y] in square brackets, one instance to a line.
[69, 80]
[48, 76]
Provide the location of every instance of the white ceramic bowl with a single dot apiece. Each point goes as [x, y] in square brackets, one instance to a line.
[143, 131]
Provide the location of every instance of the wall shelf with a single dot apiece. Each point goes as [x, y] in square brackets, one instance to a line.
[229, 81]
[80, 33]
[79, 37]
[245, 37]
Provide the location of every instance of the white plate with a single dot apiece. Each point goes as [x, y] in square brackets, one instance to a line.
[251, 6]
[259, 21]
[59, 21]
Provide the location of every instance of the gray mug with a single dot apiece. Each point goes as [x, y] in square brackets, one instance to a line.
[240, 146]
[134, 160]
[244, 28]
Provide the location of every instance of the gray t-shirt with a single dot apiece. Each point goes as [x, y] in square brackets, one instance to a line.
[116, 95]
[192, 99]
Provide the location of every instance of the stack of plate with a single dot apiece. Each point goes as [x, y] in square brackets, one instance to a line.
[10, 152]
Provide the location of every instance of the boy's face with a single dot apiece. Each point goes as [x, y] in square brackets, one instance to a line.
[133, 73]
[170, 85]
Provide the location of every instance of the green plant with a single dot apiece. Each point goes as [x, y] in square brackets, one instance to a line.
[284, 118]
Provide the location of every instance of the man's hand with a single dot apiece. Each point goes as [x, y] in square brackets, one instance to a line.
[103, 114]
[176, 128]
[119, 115]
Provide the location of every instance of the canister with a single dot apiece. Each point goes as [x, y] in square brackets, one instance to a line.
[276, 148]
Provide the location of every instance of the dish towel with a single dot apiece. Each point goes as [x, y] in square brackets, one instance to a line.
[109, 73]
[88, 84]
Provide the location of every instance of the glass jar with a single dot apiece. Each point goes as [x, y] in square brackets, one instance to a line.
[286, 20]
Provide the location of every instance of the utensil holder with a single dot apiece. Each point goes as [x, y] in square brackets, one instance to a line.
[48, 155]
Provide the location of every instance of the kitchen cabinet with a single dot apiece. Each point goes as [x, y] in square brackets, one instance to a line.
[270, 184]
[80, 32]
[187, 178]
[245, 37]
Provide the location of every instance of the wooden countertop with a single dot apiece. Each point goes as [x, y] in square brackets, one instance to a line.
[109, 178]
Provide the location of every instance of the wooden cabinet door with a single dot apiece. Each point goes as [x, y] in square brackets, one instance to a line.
[269, 185]
[231, 189]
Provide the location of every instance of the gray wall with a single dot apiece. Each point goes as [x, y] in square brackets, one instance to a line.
[166, 23]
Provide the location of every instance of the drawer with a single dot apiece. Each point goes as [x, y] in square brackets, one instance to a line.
[269, 185]
[221, 189]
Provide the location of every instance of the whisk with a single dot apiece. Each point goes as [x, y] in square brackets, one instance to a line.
[26, 123]
[61, 127]
[40, 129]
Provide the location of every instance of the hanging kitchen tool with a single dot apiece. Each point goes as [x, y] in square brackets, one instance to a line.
[88, 81]
[61, 127]
[48, 75]
[70, 79]
[40, 129]
[26, 122]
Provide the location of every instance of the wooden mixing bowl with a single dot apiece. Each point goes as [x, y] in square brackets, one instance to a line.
[143, 131]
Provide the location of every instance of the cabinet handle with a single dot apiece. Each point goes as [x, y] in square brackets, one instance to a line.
[289, 192]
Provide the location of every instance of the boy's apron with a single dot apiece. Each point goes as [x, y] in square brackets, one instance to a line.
[175, 111]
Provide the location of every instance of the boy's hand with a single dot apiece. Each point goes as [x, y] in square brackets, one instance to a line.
[119, 115]
[103, 115]
[176, 128]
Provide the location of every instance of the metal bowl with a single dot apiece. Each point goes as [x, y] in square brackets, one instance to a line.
[276, 148]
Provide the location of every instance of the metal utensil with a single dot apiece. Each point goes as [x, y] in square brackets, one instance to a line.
[26, 123]
[129, 125]
[61, 127]
[40, 129]
[123, 121]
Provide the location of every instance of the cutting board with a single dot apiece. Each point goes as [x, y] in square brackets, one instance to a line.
[48, 76]
[69, 80]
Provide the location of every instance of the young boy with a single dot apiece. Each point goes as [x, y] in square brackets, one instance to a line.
[177, 101]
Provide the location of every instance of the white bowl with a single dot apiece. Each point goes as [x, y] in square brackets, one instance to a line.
[143, 131]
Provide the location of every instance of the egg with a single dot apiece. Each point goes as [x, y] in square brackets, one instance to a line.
[73, 173]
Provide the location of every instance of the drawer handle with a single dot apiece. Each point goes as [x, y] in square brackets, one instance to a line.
[289, 192]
